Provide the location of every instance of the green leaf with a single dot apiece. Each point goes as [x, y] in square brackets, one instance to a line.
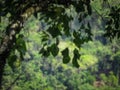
[75, 58]
[66, 25]
[57, 41]
[44, 52]
[44, 36]
[54, 31]
[54, 49]
[20, 44]
[77, 39]
[66, 57]
[80, 7]
[89, 9]
[78, 42]
[65, 51]
[66, 30]
[75, 63]
[11, 60]
[89, 25]
[76, 53]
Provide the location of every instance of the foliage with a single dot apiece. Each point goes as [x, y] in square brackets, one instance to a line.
[57, 26]
[59, 23]
[113, 23]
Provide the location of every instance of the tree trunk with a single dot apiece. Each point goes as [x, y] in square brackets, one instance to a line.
[9, 39]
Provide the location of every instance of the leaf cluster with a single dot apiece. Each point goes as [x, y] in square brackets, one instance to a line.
[113, 24]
